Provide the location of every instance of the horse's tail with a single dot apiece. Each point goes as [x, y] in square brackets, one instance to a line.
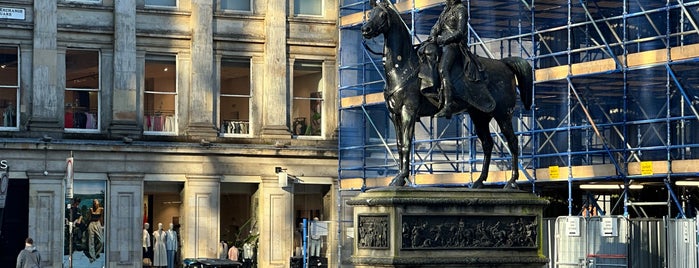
[525, 79]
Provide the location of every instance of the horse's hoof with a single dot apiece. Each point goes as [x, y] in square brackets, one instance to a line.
[477, 185]
[397, 181]
[511, 186]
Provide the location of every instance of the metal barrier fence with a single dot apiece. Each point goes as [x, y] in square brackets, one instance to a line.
[619, 242]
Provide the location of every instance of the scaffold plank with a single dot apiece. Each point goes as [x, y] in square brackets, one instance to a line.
[373, 98]
[647, 58]
[684, 52]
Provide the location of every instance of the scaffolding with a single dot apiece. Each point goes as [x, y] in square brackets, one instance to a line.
[616, 100]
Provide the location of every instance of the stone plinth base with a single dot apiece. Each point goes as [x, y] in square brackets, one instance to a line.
[447, 227]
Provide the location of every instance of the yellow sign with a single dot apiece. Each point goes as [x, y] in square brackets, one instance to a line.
[646, 168]
[553, 172]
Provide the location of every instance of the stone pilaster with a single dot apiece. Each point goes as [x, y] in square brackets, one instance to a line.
[276, 80]
[45, 89]
[46, 215]
[125, 96]
[329, 112]
[200, 226]
[125, 220]
[203, 84]
[276, 224]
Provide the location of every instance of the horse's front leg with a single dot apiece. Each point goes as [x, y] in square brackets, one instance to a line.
[399, 179]
[483, 133]
[405, 127]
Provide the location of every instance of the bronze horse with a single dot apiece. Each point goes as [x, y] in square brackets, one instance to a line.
[405, 101]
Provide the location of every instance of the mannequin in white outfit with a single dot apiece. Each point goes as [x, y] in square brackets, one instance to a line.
[146, 240]
[159, 255]
[171, 246]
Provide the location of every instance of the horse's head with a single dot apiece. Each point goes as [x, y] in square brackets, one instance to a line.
[377, 20]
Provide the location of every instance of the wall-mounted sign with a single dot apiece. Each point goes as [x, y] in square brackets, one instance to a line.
[12, 13]
[646, 168]
[554, 172]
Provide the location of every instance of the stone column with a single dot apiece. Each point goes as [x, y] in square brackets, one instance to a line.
[329, 110]
[276, 224]
[46, 216]
[126, 99]
[276, 79]
[201, 221]
[45, 89]
[202, 90]
[125, 220]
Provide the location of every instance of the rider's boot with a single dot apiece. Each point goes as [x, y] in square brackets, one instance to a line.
[447, 89]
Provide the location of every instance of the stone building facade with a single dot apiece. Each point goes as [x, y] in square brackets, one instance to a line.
[216, 116]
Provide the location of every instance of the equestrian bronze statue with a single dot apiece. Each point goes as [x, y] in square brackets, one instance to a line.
[483, 87]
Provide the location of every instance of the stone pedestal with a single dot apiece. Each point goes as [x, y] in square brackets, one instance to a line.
[447, 227]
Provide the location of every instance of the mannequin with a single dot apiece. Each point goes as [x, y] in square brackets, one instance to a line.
[247, 255]
[316, 241]
[171, 246]
[146, 240]
[233, 253]
[223, 250]
[159, 255]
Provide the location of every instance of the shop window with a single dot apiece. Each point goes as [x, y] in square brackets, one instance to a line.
[162, 3]
[161, 221]
[82, 101]
[9, 87]
[86, 242]
[307, 98]
[236, 5]
[308, 7]
[235, 97]
[160, 96]
[238, 224]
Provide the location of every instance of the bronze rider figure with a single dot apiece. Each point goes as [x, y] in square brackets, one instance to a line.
[449, 33]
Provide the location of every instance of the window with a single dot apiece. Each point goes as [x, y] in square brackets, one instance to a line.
[82, 99]
[308, 7]
[160, 96]
[9, 87]
[164, 3]
[235, 97]
[236, 5]
[308, 98]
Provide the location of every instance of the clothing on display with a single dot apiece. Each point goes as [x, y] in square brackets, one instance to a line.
[223, 250]
[159, 251]
[171, 246]
[161, 123]
[233, 253]
[316, 241]
[94, 230]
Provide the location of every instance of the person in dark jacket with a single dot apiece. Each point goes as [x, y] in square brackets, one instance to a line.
[29, 257]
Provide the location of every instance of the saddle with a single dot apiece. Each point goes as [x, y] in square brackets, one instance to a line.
[468, 77]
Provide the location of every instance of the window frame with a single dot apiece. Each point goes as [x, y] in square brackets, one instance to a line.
[98, 90]
[219, 119]
[228, 10]
[322, 10]
[17, 90]
[294, 98]
[162, 57]
[177, 4]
